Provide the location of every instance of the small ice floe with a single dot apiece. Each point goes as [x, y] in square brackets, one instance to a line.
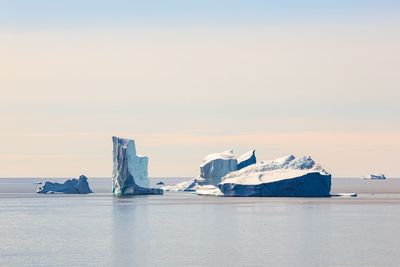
[208, 190]
[345, 195]
[376, 176]
[189, 186]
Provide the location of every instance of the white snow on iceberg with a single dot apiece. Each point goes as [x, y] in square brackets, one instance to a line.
[190, 185]
[286, 162]
[130, 175]
[71, 186]
[284, 177]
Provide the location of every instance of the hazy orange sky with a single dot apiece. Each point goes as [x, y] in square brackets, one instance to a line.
[326, 86]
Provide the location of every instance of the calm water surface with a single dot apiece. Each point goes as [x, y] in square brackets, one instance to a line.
[182, 229]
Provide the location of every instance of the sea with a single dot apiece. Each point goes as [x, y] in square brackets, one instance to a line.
[183, 229]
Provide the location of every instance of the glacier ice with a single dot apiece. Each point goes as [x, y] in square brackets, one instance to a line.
[130, 175]
[208, 190]
[190, 185]
[71, 186]
[215, 166]
[283, 177]
[246, 159]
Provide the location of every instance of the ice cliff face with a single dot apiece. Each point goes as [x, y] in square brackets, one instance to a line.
[284, 177]
[247, 159]
[72, 186]
[215, 166]
[130, 176]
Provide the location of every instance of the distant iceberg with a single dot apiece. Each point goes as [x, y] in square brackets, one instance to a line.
[283, 177]
[72, 186]
[378, 176]
[130, 175]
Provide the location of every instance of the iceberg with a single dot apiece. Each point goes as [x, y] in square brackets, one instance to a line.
[215, 166]
[246, 159]
[71, 186]
[130, 175]
[377, 176]
[283, 177]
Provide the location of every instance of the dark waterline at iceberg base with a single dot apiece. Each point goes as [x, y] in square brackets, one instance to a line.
[182, 229]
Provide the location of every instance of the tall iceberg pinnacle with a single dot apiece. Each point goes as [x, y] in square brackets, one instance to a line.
[130, 175]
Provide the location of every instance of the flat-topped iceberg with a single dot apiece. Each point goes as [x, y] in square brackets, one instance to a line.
[377, 176]
[283, 177]
[130, 175]
[71, 186]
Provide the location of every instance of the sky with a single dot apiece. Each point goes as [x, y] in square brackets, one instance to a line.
[190, 78]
